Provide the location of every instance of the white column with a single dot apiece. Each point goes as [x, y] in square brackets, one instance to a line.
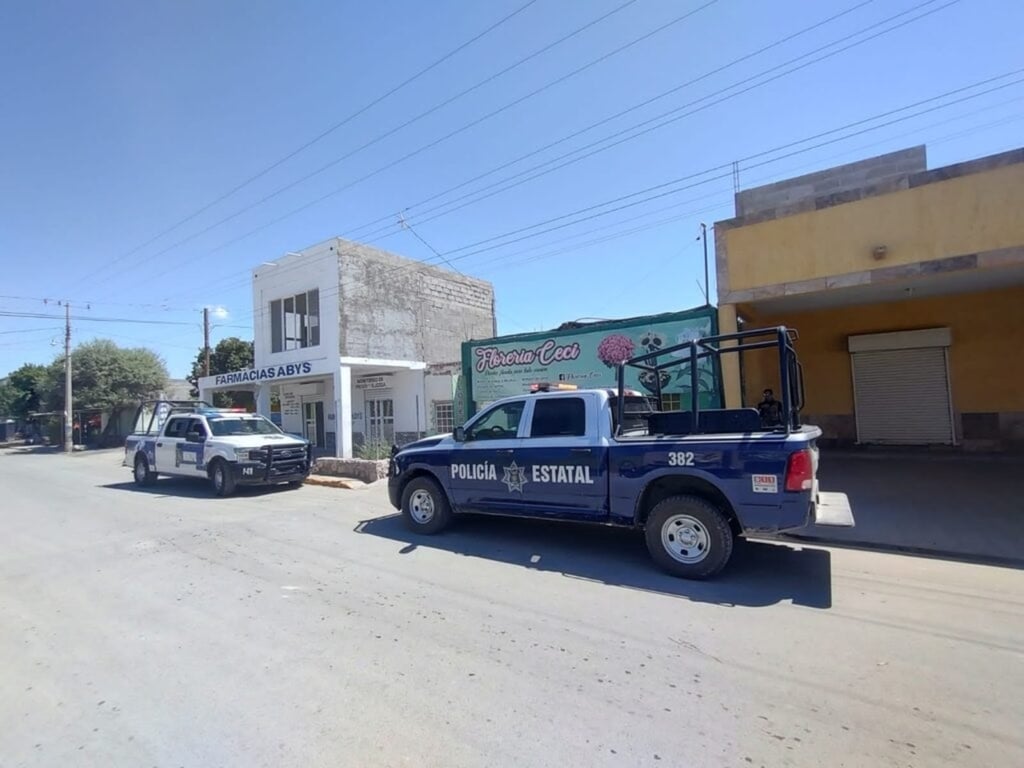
[424, 418]
[206, 395]
[263, 400]
[343, 409]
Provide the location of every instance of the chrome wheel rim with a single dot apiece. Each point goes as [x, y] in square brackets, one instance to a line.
[685, 539]
[218, 478]
[421, 506]
[140, 470]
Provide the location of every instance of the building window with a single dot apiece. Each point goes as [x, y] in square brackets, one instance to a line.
[444, 416]
[295, 322]
[671, 401]
[380, 421]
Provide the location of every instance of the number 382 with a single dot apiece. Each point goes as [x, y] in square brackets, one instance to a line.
[680, 459]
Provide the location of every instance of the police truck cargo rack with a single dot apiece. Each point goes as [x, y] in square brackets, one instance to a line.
[692, 480]
[226, 446]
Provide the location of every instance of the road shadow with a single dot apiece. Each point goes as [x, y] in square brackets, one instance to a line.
[759, 574]
[187, 488]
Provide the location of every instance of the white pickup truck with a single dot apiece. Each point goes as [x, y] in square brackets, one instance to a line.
[225, 446]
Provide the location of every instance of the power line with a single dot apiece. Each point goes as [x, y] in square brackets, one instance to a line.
[646, 122]
[436, 142]
[32, 330]
[320, 136]
[617, 115]
[517, 179]
[659, 191]
[89, 319]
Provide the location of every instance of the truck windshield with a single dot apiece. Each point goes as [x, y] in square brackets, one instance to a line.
[247, 426]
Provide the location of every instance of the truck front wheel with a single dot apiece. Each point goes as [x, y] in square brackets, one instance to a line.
[142, 474]
[689, 536]
[221, 479]
[425, 506]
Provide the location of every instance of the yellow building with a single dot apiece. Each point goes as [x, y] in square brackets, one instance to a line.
[906, 286]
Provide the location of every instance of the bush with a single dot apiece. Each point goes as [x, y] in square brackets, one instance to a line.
[374, 450]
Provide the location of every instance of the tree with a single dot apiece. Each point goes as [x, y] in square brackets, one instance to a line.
[24, 391]
[105, 376]
[230, 354]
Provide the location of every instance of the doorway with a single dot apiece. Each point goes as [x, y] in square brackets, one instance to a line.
[313, 422]
[380, 417]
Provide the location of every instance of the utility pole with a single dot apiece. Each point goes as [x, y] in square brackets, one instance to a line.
[206, 339]
[69, 434]
[707, 287]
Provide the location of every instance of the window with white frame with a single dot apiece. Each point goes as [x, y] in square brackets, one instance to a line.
[444, 416]
[295, 321]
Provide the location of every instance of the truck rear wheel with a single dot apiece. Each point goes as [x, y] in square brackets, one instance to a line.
[141, 472]
[689, 536]
[425, 506]
[221, 479]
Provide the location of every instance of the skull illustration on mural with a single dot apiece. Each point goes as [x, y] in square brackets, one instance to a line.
[652, 341]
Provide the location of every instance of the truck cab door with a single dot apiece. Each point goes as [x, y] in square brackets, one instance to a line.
[191, 449]
[483, 475]
[565, 458]
[167, 445]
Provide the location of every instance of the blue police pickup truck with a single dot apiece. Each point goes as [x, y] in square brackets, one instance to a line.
[693, 480]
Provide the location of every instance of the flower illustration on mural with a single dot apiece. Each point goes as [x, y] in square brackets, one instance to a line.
[615, 349]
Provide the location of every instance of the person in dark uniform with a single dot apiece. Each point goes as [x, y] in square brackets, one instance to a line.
[770, 409]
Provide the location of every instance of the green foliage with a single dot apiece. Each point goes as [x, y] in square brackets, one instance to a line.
[24, 391]
[374, 450]
[104, 375]
[230, 354]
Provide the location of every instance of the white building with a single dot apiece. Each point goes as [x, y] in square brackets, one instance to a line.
[356, 345]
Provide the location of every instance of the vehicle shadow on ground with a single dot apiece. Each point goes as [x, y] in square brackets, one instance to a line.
[759, 574]
[186, 488]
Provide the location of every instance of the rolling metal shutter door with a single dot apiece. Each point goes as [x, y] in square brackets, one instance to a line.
[902, 396]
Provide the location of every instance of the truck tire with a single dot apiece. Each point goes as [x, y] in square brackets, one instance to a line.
[425, 506]
[221, 479]
[141, 472]
[689, 536]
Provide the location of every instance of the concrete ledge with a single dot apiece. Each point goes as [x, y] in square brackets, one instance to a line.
[368, 471]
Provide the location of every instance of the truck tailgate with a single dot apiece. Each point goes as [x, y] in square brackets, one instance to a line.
[833, 509]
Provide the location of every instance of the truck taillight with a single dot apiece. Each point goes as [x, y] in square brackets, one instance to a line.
[800, 471]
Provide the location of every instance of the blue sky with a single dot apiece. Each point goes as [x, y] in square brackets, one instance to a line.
[122, 119]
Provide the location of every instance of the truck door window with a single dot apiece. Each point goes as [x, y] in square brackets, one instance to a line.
[559, 417]
[196, 427]
[176, 428]
[501, 423]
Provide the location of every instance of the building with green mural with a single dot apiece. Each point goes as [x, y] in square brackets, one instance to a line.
[587, 355]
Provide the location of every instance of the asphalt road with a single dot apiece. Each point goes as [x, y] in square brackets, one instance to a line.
[163, 627]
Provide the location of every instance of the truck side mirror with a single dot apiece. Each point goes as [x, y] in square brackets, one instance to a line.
[459, 435]
[195, 437]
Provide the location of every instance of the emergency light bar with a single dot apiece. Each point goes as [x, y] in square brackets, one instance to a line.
[552, 387]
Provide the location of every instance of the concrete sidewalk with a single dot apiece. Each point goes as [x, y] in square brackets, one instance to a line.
[947, 505]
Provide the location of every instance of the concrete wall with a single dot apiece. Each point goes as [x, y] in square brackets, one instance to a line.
[398, 309]
[985, 365]
[315, 267]
[958, 212]
[794, 193]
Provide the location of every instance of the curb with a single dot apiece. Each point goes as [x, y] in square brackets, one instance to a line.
[329, 482]
[900, 549]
